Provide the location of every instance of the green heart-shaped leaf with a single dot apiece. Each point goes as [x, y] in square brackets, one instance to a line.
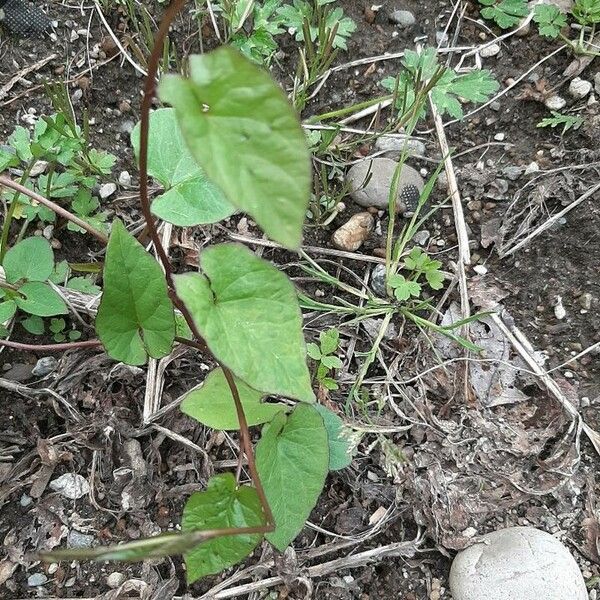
[190, 198]
[32, 260]
[248, 313]
[222, 505]
[292, 458]
[243, 132]
[213, 405]
[135, 317]
[41, 300]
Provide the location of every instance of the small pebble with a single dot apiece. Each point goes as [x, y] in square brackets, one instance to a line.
[125, 178]
[480, 269]
[489, 51]
[351, 235]
[76, 539]
[555, 102]
[25, 500]
[107, 190]
[404, 18]
[44, 366]
[36, 579]
[421, 237]
[559, 310]
[115, 580]
[70, 485]
[512, 172]
[579, 88]
[499, 137]
[532, 167]
[585, 300]
[378, 281]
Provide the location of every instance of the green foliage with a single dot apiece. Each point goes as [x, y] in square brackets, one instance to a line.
[248, 314]
[296, 444]
[340, 437]
[296, 14]
[229, 108]
[212, 404]
[587, 12]
[28, 266]
[135, 317]
[30, 260]
[420, 264]
[189, 197]
[549, 19]
[324, 355]
[404, 288]
[451, 89]
[71, 172]
[567, 122]
[505, 13]
[60, 333]
[222, 505]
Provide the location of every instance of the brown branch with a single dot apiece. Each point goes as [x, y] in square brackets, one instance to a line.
[51, 347]
[59, 210]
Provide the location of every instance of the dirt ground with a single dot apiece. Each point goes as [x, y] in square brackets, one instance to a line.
[437, 466]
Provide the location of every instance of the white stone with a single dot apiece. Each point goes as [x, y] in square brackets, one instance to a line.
[489, 51]
[532, 167]
[555, 103]
[125, 178]
[71, 485]
[115, 580]
[518, 563]
[404, 18]
[500, 137]
[480, 269]
[107, 190]
[559, 310]
[579, 88]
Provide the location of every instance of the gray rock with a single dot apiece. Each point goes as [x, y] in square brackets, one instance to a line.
[585, 301]
[19, 372]
[518, 563]
[44, 366]
[115, 580]
[421, 237]
[404, 18]
[370, 181]
[76, 539]
[107, 190]
[512, 172]
[378, 281]
[597, 82]
[36, 579]
[25, 500]
[579, 88]
[393, 147]
[441, 38]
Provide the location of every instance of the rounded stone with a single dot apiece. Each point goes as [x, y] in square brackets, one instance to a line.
[489, 51]
[369, 182]
[404, 18]
[555, 102]
[579, 88]
[518, 563]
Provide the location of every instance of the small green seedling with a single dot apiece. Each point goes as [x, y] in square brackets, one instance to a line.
[60, 333]
[505, 13]
[28, 267]
[567, 122]
[324, 355]
[451, 89]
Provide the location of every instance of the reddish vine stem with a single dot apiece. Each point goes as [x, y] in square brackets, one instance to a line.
[59, 210]
[149, 91]
[51, 347]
